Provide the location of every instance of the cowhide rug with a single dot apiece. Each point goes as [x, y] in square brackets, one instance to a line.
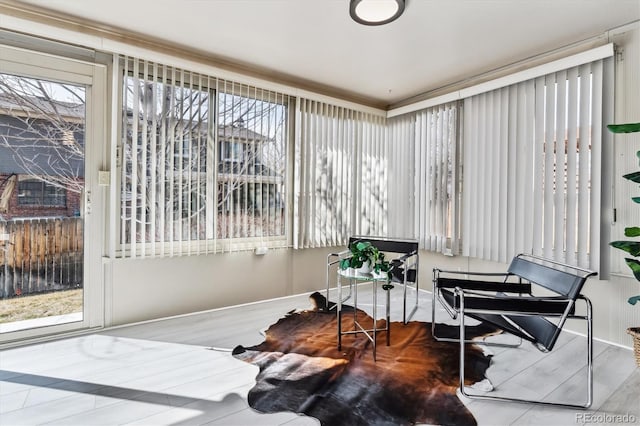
[413, 381]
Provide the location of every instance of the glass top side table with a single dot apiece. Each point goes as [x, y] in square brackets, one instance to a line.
[354, 278]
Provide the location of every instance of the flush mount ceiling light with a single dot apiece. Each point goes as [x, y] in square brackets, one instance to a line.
[375, 12]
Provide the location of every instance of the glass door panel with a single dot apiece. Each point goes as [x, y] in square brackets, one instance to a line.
[42, 185]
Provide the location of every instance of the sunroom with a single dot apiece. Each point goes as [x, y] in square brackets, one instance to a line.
[182, 170]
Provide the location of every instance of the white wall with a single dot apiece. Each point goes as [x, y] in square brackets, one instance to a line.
[142, 289]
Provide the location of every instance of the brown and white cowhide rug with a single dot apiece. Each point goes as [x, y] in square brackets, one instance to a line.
[413, 381]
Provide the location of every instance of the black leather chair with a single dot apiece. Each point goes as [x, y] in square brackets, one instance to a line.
[507, 301]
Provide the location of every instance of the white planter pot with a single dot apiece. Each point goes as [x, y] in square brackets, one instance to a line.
[366, 268]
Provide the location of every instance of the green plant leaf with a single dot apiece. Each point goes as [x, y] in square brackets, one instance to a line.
[636, 199]
[634, 265]
[631, 247]
[361, 245]
[624, 128]
[344, 263]
[633, 177]
[633, 300]
[632, 231]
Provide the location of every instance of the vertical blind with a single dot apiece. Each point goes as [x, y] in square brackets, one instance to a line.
[340, 175]
[532, 168]
[202, 163]
[402, 175]
[437, 178]
[424, 175]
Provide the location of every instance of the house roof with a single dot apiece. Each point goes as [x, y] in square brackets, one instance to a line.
[232, 131]
[236, 131]
[38, 107]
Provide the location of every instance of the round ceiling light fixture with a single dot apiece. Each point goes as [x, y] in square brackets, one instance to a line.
[375, 12]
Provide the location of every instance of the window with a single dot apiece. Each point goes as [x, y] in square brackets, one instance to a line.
[203, 163]
[33, 192]
[252, 134]
[232, 151]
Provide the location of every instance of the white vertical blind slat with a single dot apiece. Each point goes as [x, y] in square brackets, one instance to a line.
[470, 175]
[338, 235]
[171, 119]
[144, 143]
[530, 161]
[297, 174]
[486, 200]
[538, 169]
[420, 147]
[513, 196]
[180, 125]
[188, 172]
[323, 182]
[501, 175]
[211, 166]
[596, 163]
[456, 151]
[355, 135]
[313, 165]
[549, 164]
[584, 165]
[560, 170]
[493, 163]
[142, 153]
[134, 159]
[308, 217]
[125, 215]
[153, 166]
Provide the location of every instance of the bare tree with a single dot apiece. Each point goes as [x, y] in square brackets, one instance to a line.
[169, 155]
[42, 123]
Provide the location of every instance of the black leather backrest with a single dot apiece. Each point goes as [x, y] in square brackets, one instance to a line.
[390, 245]
[566, 283]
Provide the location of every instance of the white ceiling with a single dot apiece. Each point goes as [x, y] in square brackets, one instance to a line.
[435, 42]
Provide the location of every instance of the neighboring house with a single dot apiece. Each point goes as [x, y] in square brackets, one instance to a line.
[42, 162]
[243, 173]
[41, 158]
[246, 181]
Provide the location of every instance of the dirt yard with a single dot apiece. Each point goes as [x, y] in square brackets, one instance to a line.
[40, 305]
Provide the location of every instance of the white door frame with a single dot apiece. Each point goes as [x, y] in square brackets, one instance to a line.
[93, 76]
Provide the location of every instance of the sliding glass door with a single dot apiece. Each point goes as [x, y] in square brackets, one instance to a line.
[50, 279]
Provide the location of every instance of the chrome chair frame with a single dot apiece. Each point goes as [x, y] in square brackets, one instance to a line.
[436, 296]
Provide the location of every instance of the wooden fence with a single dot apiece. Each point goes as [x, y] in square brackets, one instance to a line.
[38, 255]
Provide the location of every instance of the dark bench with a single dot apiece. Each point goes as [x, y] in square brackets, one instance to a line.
[507, 301]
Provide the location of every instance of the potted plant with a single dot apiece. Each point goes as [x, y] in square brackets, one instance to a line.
[367, 258]
[630, 246]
